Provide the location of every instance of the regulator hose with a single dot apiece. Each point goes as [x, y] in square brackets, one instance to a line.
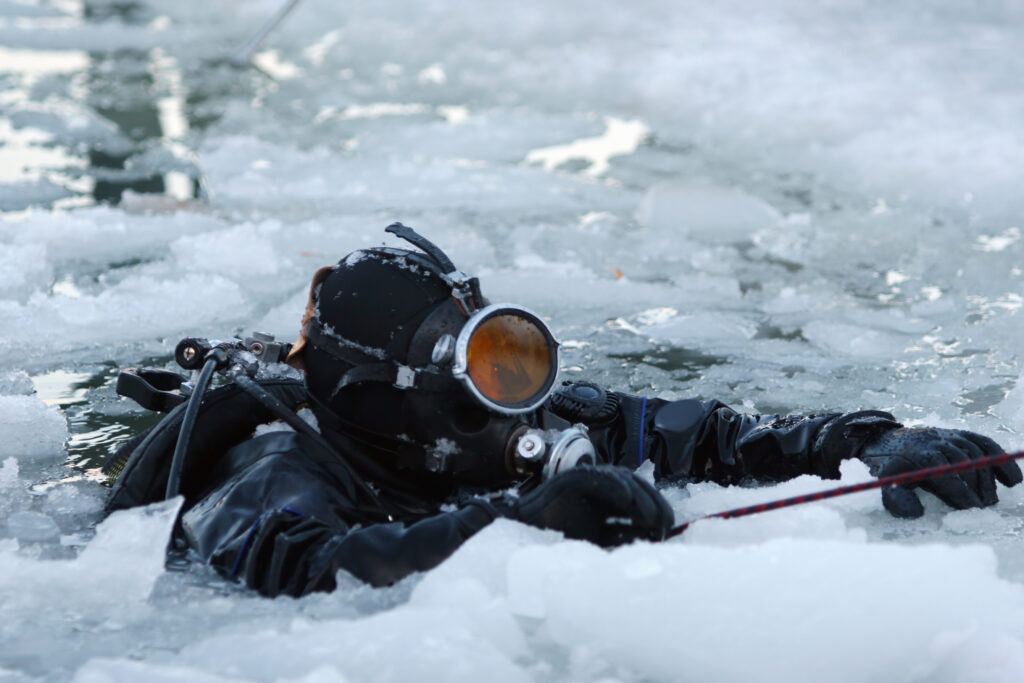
[188, 423]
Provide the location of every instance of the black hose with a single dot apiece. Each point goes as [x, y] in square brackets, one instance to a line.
[281, 411]
[187, 425]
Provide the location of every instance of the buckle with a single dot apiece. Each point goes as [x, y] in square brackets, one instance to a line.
[405, 377]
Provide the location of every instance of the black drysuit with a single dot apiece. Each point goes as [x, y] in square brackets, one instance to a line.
[283, 513]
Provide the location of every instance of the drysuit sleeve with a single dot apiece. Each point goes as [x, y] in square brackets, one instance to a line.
[695, 440]
[282, 523]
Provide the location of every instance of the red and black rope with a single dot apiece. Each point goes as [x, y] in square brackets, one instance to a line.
[881, 482]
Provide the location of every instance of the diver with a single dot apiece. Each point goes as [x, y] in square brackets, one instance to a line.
[429, 412]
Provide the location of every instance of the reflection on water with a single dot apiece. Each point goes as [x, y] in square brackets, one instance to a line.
[147, 107]
[62, 388]
[98, 421]
[27, 153]
[32, 64]
[142, 110]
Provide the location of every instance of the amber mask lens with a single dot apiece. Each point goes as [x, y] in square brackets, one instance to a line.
[509, 359]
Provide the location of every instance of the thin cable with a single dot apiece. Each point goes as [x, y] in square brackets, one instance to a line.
[250, 46]
[893, 480]
[187, 425]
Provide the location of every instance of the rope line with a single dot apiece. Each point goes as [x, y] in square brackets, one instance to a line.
[881, 482]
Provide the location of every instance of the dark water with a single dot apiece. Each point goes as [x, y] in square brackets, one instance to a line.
[153, 107]
[153, 110]
[98, 420]
[684, 365]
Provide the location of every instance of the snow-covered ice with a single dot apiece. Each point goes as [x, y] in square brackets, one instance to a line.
[787, 206]
[33, 431]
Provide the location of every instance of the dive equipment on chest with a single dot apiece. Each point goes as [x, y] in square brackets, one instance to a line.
[551, 452]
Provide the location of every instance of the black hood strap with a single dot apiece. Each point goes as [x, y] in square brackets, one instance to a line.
[371, 367]
[401, 376]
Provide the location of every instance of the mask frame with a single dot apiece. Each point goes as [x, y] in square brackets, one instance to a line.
[447, 368]
[461, 369]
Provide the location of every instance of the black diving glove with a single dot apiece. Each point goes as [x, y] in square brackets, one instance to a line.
[905, 450]
[605, 505]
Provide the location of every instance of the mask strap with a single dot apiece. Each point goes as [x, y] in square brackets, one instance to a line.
[432, 250]
[465, 289]
[397, 375]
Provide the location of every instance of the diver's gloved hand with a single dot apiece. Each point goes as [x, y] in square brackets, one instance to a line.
[605, 505]
[904, 450]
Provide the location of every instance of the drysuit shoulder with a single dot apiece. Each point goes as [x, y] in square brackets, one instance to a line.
[228, 416]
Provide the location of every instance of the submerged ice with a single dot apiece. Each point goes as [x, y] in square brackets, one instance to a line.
[787, 207]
